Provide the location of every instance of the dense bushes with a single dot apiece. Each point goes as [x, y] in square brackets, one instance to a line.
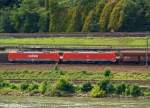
[128, 90]
[63, 87]
[106, 88]
[74, 15]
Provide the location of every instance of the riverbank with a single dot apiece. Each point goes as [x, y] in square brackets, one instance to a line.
[65, 88]
[71, 102]
[145, 94]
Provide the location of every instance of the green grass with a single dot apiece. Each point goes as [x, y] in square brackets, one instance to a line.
[126, 42]
[80, 75]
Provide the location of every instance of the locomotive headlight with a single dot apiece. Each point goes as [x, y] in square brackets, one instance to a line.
[61, 57]
[118, 57]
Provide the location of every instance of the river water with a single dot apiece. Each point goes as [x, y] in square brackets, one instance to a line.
[74, 102]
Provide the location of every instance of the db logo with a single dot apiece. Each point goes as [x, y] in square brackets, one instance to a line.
[33, 56]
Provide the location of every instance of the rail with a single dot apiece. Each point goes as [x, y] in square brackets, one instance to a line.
[73, 46]
[53, 47]
[79, 81]
[78, 34]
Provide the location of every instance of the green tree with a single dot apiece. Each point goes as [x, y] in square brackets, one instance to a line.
[141, 16]
[105, 16]
[91, 21]
[117, 15]
[8, 3]
[6, 24]
[74, 15]
[31, 22]
[54, 13]
[46, 3]
[123, 17]
[43, 21]
[75, 22]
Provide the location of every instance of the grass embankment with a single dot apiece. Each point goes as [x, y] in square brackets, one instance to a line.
[114, 41]
[63, 87]
[73, 75]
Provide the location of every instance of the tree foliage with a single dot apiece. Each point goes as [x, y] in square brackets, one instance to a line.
[91, 21]
[105, 16]
[74, 15]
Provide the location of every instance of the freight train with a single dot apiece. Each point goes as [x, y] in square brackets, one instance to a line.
[75, 56]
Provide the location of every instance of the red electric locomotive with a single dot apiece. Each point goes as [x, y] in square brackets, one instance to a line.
[33, 56]
[65, 56]
[89, 56]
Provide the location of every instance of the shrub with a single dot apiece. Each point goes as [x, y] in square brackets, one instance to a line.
[135, 90]
[97, 92]
[64, 85]
[103, 84]
[107, 73]
[110, 89]
[106, 86]
[13, 86]
[61, 87]
[120, 89]
[43, 87]
[86, 87]
[127, 90]
[5, 91]
[24, 86]
[4, 84]
[33, 87]
[77, 88]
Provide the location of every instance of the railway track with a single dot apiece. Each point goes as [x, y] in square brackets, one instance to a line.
[74, 68]
[78, 34]
[71, 63]
[72, 47]
[127, 57]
